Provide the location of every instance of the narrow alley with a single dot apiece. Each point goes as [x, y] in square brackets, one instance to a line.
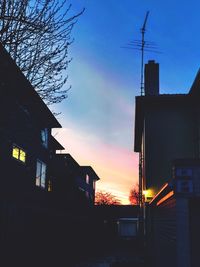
[123, 253]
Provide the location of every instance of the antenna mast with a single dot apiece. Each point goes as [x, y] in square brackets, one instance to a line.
[141, 156]
[143, 30]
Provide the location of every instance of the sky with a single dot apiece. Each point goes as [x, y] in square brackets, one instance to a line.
[98, 115]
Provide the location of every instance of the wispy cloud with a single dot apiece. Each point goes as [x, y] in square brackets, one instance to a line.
[100, 104]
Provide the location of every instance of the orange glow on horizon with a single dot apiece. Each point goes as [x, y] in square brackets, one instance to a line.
[117, 167]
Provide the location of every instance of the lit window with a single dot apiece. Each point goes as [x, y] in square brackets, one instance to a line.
[49, 186]
[44, 137]
[22, 155]
[87, 179]
[19, 153]
[40, 174]
[15, 152]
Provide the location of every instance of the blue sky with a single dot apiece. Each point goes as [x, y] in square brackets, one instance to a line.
[98, 116]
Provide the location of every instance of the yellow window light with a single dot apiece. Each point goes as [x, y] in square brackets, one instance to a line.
[15, 152]
[49, 186]
[148, 194]
[22, 155]
[19, 153]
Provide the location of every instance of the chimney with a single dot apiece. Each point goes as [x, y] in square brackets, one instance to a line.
[151, 78]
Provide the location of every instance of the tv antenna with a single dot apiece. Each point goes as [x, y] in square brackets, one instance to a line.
[143, 30]
[143, 46]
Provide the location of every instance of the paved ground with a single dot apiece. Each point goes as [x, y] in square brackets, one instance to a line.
[120, 254]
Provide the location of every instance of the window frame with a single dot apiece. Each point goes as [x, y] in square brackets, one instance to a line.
[42, 181]
[44, 136]
[15, 146]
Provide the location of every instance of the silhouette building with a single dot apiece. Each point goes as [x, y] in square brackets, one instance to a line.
[74, 183]
[166, 128]
[26, 124]
[167, 134]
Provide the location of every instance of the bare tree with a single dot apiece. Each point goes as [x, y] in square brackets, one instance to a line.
[106, 198]
[134, 195]
[37, 34]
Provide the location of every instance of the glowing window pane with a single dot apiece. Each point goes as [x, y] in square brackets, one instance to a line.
[49, 186]
[19, 153]
[22, 155]
[15, 152]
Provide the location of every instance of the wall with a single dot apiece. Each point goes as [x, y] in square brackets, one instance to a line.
[162, 234]
[169, 134]
[194, 230]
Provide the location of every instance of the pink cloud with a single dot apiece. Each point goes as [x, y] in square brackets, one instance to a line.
[116, 166]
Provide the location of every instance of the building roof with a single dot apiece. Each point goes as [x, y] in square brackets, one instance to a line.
[73, 164]
[161, 101]
[90, 171]
[55, 144]
[195, 88]
[67, 157]
[16, 84]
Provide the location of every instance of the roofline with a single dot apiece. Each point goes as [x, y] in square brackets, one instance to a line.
[54, 122]
[195, 88]
[57, 144]
[69, 157]
[91, 170]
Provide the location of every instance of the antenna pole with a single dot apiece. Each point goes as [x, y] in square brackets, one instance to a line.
[143, 30]
[141, 156]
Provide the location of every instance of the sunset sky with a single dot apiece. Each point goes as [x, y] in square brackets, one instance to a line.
[98, 115]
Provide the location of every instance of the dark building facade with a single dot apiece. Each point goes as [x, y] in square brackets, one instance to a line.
[167, 134]
[36, 224]
[166, 128]
[72, 181]
[25, 132]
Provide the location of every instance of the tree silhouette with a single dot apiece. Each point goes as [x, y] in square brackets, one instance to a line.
[134, 195]
[106, 198]
[37, 34]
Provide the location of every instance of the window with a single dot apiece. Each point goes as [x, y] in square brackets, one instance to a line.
[19, 154]
[94, 184]
[40, 174]
[49, 186]
[44, 137]
[87, 179]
